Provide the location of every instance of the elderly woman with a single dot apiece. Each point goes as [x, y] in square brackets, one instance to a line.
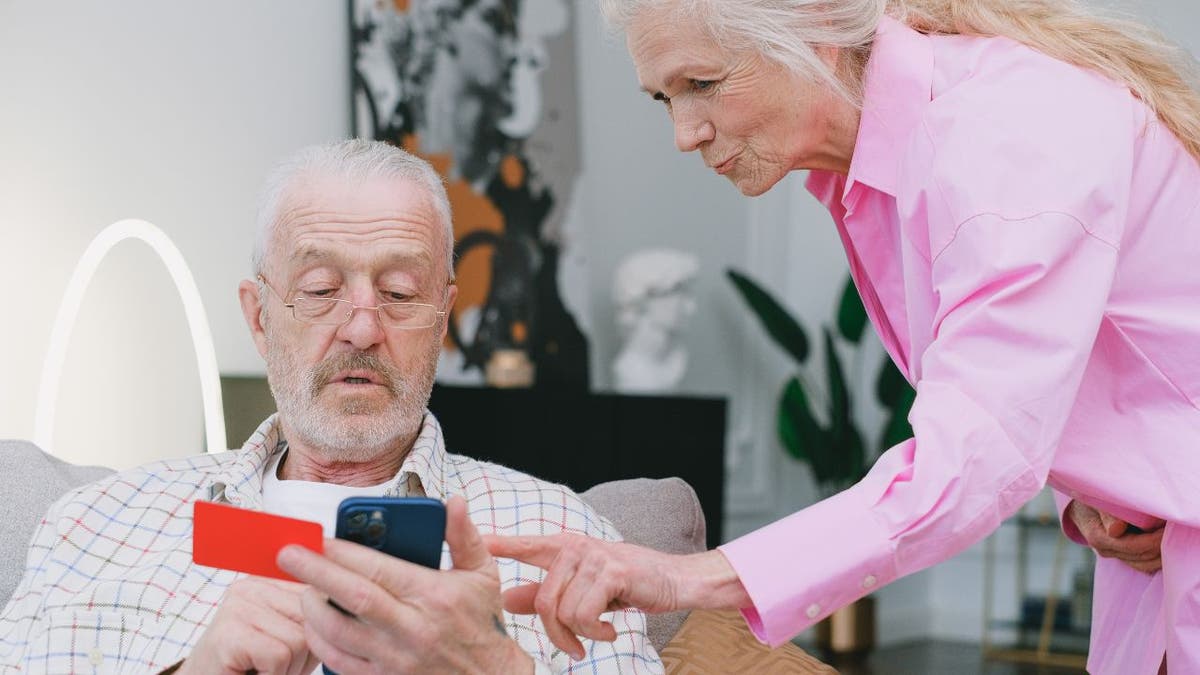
[1016, 186]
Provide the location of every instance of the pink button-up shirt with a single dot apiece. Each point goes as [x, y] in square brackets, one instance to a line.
[1025, 238]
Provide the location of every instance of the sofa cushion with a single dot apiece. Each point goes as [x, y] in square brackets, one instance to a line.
[30, 481]
[663, 514]
[716, 642]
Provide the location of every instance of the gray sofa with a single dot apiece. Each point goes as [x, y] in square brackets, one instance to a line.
[663, 514]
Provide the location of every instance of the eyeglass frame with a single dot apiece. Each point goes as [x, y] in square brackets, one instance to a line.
[353, 307]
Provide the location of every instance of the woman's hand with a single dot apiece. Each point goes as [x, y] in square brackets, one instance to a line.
[1110, 538]
[587, 577]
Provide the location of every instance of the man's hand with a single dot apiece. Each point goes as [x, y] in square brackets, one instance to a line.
[406, 618]
[587, 577]
[1110, 538]
[258, 628]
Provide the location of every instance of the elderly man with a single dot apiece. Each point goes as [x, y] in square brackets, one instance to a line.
[348, 307]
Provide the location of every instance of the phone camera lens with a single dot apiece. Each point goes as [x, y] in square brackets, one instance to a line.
[376, 530]
[358, 520]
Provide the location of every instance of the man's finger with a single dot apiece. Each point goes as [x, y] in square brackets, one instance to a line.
[519, 600]
[539, 551]
[282, 597]
[329, 654]
[362, 581]
[466, 546]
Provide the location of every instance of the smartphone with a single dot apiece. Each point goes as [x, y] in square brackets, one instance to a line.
[410, 528]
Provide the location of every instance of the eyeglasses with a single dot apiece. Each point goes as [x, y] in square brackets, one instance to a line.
[335, 312]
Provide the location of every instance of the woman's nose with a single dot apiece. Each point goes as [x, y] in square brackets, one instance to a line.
[691, 132]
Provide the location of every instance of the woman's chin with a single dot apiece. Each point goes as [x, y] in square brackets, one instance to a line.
[751, 183]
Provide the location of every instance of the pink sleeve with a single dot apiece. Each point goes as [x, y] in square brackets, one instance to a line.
[1020, 303]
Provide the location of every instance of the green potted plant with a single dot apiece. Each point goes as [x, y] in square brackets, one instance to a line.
[832, 443]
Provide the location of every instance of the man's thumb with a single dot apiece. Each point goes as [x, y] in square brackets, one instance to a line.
[466, 546]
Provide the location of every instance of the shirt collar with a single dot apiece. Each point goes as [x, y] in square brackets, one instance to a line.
[426, 461]
[897, 88]
[423, 469]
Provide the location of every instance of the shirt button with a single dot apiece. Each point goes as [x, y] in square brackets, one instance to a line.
[95, 657]
[813, 610]
[870, 581]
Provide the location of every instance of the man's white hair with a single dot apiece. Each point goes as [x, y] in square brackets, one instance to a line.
[354, 160]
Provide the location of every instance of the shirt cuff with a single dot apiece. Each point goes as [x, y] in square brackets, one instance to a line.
[1069, 527]
[802, 568]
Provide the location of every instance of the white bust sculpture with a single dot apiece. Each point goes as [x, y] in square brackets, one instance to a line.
[653, 296]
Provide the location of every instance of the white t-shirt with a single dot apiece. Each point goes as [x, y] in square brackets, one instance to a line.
[306, 500]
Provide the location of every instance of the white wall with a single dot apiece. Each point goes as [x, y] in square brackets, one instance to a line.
[164, 111]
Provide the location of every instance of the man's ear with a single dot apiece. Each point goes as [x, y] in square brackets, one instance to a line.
[252, 311]
[451, 296]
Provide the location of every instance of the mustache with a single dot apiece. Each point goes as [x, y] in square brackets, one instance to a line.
[388, 375]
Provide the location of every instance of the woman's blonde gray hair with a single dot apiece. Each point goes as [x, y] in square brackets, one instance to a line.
[353, 160]
[1160, 73]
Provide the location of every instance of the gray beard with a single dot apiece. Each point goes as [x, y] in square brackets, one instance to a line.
[351, 430]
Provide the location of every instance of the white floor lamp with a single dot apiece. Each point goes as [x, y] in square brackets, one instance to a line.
[68, 310]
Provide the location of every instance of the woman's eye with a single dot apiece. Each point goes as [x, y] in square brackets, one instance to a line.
[703, 85]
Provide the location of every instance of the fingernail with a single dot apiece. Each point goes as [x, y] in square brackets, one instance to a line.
[287, 554]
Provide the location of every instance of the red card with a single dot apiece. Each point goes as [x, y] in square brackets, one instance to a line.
[247, 541]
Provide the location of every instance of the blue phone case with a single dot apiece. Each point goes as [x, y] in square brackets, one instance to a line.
[411, 528]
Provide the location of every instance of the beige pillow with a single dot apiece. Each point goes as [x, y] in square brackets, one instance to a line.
[663, 514]
[719, 642]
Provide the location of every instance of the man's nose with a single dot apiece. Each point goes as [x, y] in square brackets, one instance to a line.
[364, 329]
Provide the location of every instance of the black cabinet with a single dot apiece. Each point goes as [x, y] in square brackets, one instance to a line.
[581, 439]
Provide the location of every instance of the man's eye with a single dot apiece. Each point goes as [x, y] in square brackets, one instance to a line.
[396, 296]
[319, 293]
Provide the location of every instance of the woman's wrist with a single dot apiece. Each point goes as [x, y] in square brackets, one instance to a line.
[710, 582]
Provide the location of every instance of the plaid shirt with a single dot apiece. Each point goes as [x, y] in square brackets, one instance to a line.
[110, 586]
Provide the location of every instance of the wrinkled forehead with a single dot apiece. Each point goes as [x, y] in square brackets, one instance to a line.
[664, 42]
[370, 224]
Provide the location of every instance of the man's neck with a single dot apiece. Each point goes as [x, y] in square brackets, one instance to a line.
[302, 463]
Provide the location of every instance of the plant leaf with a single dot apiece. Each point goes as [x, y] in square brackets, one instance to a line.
[846, 443]
[890, 384]
[775, 319]
[856, 456]
[839, 394]
[852, 317]
[801, 434]
[898, 428]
